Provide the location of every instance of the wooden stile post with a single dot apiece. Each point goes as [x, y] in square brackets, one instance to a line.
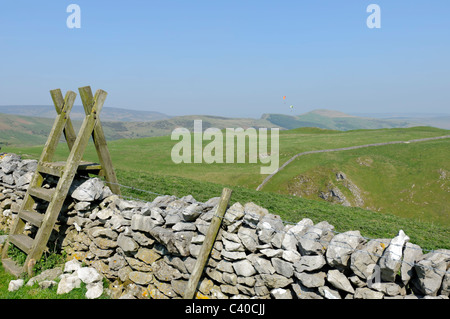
[100, 141]
[65, 171]
[60, 102]
[207, 244]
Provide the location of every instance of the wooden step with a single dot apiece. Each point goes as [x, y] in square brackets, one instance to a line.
[22, 241]
[33, 218]
[42, 193]
[57, 168]
[12, 267]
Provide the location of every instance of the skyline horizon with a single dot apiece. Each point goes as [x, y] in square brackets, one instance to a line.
[381, 115]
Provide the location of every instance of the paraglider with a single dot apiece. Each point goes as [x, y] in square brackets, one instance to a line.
[284, 100]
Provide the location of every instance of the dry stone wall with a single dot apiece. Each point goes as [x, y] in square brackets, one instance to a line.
[149, 249]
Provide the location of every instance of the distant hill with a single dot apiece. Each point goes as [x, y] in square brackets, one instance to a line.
[23, 130]
[333, 120]
[20, 130]
[77, 113]
[439, 120]
[119, 123]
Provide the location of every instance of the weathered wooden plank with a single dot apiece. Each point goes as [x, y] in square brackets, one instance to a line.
[100, 141]
[42, 193]
[58, 127]
[12, 267]
[57, 168]
[32, 217]
[207, 244]
[47, 168]
[22, 241]
[60, 103]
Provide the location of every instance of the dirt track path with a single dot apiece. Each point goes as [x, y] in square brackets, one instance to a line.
[345, 149]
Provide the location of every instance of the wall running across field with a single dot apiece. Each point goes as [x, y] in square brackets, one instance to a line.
[149, 249]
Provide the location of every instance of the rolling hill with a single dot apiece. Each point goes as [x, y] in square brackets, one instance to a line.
[333, 120]
[77, 113]
[31, 130]
[439, 120]
[18, 130]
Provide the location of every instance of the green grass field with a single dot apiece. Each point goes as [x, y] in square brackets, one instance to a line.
[146, 163]
[410, 180]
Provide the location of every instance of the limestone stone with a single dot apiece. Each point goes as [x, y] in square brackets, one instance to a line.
[192, 212]
[341, 247]
[280, 293]
[140, 278]
[88, 191]
[94, 290]
[15, 285]
[411, 254]
[244, 268]
[142, 223]
[68, 283]
[99, 231]
[117, 262]
[366, 293]
[272, 281]
[390, 262]
[311, 280]
[233, 255]
[89, 275]
[248, 238]
[339, 281]
[363, 260]
[127, 244]
[303, 292]
[49, 274]
[253, 214]
[183, 226]
[430, 270]
[72, 265]
[283, 267]
[294, 234]
[329, 293]
[105, 243]
[263, 265]
[233, 214]
[310, 263]
[164, 272]
[229, 289]
[148, 256]
[268, 226]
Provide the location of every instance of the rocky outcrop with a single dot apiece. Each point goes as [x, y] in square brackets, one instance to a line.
[149, 249]
[338, 189]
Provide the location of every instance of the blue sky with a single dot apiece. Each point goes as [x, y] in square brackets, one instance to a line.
[231, 58]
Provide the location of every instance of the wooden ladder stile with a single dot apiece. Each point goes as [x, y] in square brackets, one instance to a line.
[65, 171]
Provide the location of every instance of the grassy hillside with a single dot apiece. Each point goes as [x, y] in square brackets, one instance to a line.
[412, 180]
[108, 114]
[403, 179]
[23, 130]
[17, 130]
